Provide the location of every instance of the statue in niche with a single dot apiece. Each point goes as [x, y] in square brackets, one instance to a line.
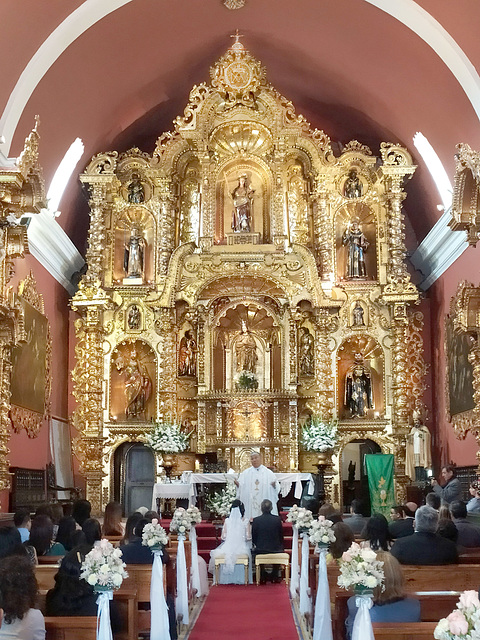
[133, 320]
[246, 350]
[357, 245]
[136, 191]
[190, 212]
[353, 187]
[306, 345]
[358, 388]
[138, 385]
[187, 355]
[358, 315]
[133, 258]
[297, 207]
[242, 197]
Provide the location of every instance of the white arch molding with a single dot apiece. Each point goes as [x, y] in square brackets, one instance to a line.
[90, 12]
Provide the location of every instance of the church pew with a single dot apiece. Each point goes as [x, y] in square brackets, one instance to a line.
[71, 628]
[403, 630]
[55, 560]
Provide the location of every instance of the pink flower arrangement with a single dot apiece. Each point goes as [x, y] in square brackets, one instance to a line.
[464, 622]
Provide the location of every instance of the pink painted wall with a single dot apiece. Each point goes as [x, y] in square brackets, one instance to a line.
[446, 445]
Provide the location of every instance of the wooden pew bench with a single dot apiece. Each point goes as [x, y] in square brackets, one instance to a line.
[71, 628]
[404, 630]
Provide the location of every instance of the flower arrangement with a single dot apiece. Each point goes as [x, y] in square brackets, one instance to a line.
[300, 517]
[359, 568]
[319, 435]
[246, 380]
[321, 532]
[194, 514]
[154, 536]
[463, 622]
[181, 521]
[220, 502]
[103, 567]
[168, 437]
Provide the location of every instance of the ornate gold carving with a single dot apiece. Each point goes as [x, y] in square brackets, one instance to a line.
[466, 193]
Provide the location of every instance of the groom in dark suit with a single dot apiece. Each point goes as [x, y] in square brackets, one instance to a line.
[267, 537]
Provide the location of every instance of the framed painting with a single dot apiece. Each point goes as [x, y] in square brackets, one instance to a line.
[459, 374]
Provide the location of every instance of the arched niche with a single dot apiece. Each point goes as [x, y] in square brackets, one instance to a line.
[132, 382]
[259, 184]
[299, 220]
[234, 321]
[354, 352]
[346, 217]
[139, 222]
[352, 472]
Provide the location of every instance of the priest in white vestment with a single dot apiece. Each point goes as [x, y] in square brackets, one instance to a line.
[255, 484]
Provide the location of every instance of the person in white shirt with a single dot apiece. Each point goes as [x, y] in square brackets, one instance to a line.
[255, 484]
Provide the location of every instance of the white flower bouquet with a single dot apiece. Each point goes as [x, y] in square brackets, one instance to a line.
[360, 569]
[154, 535]
[463, 622]
[168, 437]
[103, 567]
[300, 517]
[194, 514]
[181, 522]
[319, 435]
[321, 532]
[246, 380]
[220, 502]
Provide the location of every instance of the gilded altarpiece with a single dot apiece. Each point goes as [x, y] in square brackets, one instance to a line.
[255, 276]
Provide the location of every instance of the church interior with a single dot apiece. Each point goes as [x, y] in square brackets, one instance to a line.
[271, 216]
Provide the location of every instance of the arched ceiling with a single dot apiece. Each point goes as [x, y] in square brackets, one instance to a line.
[350, 67]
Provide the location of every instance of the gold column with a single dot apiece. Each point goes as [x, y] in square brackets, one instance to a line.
[166, 231]
[323, 231]
[202, 426]
[293, 430]
[165, 327]
[323, 403]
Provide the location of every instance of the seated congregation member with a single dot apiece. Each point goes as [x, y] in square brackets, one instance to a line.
[392, 604]
[23, 522]
[468, 533]
[235, 535]
[18, 586]
[72, 596]
[400, 526]
[357, 521]
[41, 538]
[112, 521]
[425, 546]
[433, 500]
[81, 511]
[447, 529]
[135, 552]
[67, 528]
[343, 541]
[376, 534]
[267, 537]
[92, 530]
[11, 543]
[473, 505]
[130, 526]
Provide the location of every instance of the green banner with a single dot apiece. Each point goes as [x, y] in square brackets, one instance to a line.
[380, 482]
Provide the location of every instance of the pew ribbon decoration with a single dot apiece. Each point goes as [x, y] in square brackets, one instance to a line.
[295, 578]
[155, 537]
[322, 623]
[181, 601]
[305, 600]
[362, 625]
[104, 570]
[301, 520]
[196, 584]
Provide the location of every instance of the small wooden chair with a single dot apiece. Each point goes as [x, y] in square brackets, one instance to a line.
[241, 559]
[282, 559]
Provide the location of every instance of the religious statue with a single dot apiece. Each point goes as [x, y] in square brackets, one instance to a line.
[187, 355]
[358, 314]
[138, 384]
[353, 187]
[306, 352]
[242, 197]
[297, 206]
[133, 317]
[136, 191]
[358, 388]
[357, 246]
[246, 350]
[133, 259]
[418, 450]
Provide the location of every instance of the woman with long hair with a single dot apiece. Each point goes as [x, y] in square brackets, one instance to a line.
[92, 530]
[473, 505]
[344, 537]
[112, 520]
[236, 535]
[391, 604]
[376, 534]
[130, 525]
[66, 530]
[19, 590]
[41, 538]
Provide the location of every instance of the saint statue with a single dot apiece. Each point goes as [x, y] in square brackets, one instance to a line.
[187, 355]
[353, 187]
[136, 192]
[418, 450]
[133, 317]
[358, 388]
[358, 314]
[242, 197]
[138, 385]
[306, 352]
[357, 245]
[246, 350]
[134, 253]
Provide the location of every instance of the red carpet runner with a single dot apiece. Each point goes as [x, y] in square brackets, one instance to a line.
[237, 612]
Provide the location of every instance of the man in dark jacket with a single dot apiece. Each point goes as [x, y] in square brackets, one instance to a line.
[425, 546]
[468, 533]
[452, 489]
[267, 537]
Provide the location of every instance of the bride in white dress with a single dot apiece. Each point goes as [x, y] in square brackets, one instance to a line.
[236, 536]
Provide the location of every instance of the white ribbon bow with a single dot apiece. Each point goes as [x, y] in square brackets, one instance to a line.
[104, 628]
